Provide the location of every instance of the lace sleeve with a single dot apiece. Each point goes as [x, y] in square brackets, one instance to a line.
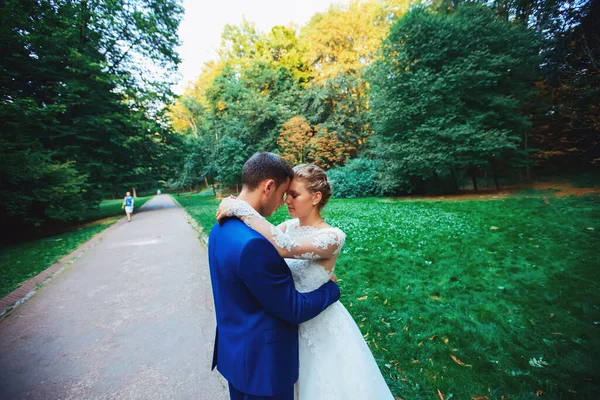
[324, 243]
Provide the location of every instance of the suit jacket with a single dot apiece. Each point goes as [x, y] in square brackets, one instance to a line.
[258, 310]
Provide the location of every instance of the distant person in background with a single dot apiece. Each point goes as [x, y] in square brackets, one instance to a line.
[158, 192]
[128, 205]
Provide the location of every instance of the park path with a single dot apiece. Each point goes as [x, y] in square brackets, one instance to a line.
[131, 319]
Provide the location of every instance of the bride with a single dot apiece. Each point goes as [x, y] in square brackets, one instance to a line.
[335, 361]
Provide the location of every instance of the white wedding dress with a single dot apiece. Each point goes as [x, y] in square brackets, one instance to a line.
[335, 361]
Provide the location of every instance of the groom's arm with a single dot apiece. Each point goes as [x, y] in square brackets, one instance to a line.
[272, 285]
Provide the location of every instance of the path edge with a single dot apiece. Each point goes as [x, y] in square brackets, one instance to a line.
[28, 289]
[202, 236]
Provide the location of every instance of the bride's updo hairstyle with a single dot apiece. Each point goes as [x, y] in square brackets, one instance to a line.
[315, 180]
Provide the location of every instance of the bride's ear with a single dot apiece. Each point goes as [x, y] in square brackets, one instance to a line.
[317, 198]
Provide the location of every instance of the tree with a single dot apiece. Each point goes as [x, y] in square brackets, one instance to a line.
[358, 178]
[294, 140]
[77, 99]
[449, 94]
[345, 38]
[567, 127]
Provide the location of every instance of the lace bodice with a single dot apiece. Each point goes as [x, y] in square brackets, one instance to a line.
[308, 274]
[301, 246]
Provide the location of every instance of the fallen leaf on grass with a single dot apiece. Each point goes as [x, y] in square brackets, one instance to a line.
[431, 338]
[405, 328]
[534, 362]
[480, 398]
[456, 360]
[590, 229]
[441, 396]
[391, 333]
[415, 361]
[538, 393]
[362, 298]
[446, 340]
[420, 343]
[494, 228]
[551, 315]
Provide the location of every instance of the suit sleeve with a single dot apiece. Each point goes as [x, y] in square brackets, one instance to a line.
[272, 285]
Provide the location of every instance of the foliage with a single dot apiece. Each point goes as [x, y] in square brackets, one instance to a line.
[448, 94]
[345, 38]
[81, 117]
[262, 83]
[358, 178]
[567, 130]
[459, 296]
[300, 143]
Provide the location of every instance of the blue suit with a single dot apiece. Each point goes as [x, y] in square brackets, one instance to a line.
[258, 311]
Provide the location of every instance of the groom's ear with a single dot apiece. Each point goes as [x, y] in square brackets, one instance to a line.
[269, 185]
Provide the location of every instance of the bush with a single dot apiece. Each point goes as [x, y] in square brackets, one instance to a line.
[358, 178]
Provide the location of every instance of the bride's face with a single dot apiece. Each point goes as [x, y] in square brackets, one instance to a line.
[299, 200]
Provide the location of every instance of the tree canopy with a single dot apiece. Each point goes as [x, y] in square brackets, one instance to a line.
[84, 89]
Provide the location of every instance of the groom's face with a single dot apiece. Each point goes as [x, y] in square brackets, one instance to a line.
[273, 197]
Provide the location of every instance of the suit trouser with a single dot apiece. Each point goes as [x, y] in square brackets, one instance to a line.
[235, 394]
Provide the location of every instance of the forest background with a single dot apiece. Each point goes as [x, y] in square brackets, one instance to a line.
[391, 97]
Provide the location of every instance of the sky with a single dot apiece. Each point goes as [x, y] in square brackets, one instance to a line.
[204, 20]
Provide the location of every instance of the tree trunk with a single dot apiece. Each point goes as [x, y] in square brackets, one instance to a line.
[454, 180]
[527, 169]
[436, 182]
[474, 179]
[494, 175]
[236, 189]
[214, 189]
[206, 181]
[134, 192]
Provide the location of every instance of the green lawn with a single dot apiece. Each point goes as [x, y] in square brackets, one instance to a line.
[472, 298]
[22, 261]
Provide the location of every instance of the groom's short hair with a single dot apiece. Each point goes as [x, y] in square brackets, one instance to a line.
[264, 165]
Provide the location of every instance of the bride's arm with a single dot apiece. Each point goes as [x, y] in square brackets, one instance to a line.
[322, 244]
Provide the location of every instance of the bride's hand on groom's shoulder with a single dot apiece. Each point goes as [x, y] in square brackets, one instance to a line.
[224, 208]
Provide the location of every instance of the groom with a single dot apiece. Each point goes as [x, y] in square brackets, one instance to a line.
[258, 309]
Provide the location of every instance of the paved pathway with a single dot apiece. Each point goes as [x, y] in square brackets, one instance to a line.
[131, 319]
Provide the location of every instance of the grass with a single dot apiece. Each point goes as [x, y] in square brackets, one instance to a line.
[19, 262]
[471, 298]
